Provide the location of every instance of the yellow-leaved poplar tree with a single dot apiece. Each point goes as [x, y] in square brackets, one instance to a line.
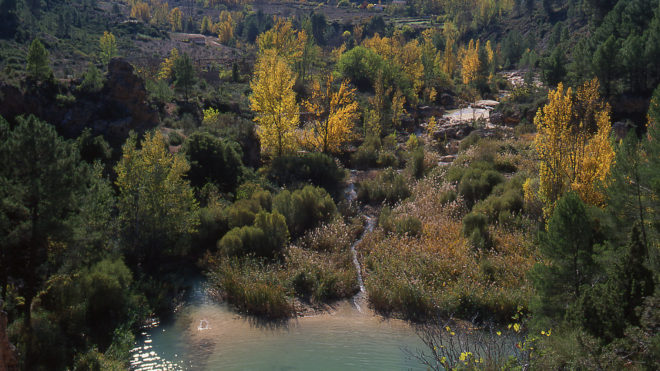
[140, 11]
[108, 45]
[274, 102]
[398, 101]
[333, 114]
[573, 144]
[165, 72]
[176, 18]
[470, 62]
[284, 39]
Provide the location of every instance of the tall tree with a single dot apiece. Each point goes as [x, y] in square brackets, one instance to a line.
[108, 45]
[175, 18]
[284, 39]
[184, 74]
[333, 114]
[37, 62]
[606, 63]
[41, 180]
[573, 143]
[274, 102]
[627, 188]
[157, 210]
[567, 248]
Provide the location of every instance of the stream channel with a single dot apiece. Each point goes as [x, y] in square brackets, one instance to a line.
[206, 335]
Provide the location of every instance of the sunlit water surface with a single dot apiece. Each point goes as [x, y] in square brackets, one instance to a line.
[209, 336]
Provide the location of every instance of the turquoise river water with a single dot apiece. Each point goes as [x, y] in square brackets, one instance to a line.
[208, 336]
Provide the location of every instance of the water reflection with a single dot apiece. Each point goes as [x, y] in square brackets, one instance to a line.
[209, 336]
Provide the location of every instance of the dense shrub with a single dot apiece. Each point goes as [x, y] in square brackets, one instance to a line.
[213, 160]
[366, 155]
[242, 212]
[361, 66]
[266, 238]
[304, 208]
[501, 204]
[253, 287]
[477, 184]
[404, 225]
[416, 165]
[475, 228]
[319, 276]
[389, 187]
[313, 168]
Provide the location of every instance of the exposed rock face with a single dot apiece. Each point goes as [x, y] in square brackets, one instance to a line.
[125, 101]
[8, 359]
[121, 106]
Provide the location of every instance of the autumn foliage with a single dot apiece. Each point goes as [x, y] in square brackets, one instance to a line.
[573, 145]
[333, 114]
[274, 102]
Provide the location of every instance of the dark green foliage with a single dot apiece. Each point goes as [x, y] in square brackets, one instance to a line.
[505, 200]
[312, 168]
[83, 308]
[184, 74]
[8, 18]
[37, 62]
[266, 238]
[92, 80]
[175, 139]
[319, 25]
[476, 184]
[93, 148]
[475, 228]
[41, 177]
[253, 287]
[651, 170]
[567, 247]
[242, 212]
[606, 309]
[213, 160]
[605, 63]
[213, 224]
[404, 225]
[360, 65]
[389, 187]
[366, 155]
[416, 163]
[304, 208]
[554, 67]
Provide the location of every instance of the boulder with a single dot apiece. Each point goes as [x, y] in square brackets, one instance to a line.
[447, 100]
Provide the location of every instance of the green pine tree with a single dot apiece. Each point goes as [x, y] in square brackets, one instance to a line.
[37, 62]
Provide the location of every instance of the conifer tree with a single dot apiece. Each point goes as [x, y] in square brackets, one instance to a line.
[37, 62]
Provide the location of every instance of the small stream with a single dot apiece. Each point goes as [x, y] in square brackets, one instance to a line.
[361, 297]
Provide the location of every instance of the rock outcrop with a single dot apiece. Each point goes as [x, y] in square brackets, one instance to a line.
[8, 358]
[452, 130]
[121, 106]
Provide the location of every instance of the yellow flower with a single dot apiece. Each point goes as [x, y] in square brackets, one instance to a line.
[463, 356]
[499, 333]
[452, 333]
[447, 328]
[516, 327]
